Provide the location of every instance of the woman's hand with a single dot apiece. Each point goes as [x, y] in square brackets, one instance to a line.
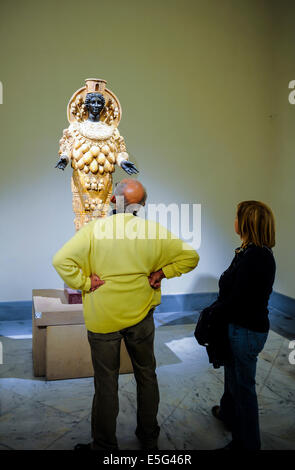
[155, 279]
[96, 282]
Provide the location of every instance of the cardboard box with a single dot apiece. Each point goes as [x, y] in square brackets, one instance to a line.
[60, 345]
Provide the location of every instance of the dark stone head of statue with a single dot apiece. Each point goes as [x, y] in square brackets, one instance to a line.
[94, 103]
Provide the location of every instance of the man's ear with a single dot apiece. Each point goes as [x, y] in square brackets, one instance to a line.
[113, 199]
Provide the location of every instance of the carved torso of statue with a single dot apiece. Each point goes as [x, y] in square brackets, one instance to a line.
[93, 145]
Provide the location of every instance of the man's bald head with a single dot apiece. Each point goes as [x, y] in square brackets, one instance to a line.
[132, 191]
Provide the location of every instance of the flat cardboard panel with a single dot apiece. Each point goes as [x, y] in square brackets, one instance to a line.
[60, 344]
[59, 318]
[68, 353]
[54, 293]
[52, 308]
[48, 304]
[38, 347]
[56, 304]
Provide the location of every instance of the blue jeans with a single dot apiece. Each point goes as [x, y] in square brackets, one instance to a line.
[238, 405]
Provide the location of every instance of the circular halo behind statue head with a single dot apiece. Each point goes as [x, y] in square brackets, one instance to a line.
[77, 111]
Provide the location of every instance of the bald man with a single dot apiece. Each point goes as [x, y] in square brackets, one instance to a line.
[118, 263]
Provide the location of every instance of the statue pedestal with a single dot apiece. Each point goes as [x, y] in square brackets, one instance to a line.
[60, 344]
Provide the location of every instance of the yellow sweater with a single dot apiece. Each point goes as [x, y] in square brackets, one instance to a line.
[123, 250]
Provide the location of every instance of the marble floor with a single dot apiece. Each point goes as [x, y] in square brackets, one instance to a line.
[40, 414]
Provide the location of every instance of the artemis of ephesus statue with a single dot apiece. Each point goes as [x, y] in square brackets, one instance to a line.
[93, 146]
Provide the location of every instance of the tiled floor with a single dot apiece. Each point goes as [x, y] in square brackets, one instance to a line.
[40, 414]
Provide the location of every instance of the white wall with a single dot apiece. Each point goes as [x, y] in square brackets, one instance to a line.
[282, 187]
[194, 78]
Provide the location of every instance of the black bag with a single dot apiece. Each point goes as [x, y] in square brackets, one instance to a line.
[203, 333]
[211, 332]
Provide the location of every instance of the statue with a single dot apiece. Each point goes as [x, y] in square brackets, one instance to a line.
[93, 145]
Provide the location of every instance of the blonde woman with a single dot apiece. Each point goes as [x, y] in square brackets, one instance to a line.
[244, 290]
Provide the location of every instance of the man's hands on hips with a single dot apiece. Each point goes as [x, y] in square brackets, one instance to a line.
[96, 282]
[156, 278]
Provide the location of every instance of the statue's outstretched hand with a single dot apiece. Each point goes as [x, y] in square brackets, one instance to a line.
[62, 162]
[129, 167]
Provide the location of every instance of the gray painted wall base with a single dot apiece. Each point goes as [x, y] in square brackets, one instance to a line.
[185, 302]
[22, 310]
[283, 303]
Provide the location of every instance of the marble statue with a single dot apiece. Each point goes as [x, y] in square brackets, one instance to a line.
[93, 145]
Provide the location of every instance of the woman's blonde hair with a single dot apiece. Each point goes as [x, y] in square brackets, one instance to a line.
[256, 223]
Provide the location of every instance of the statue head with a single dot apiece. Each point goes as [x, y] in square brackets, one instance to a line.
[94, 103]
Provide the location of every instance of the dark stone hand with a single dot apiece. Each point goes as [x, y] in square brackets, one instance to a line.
[129, 167]
[62, 163]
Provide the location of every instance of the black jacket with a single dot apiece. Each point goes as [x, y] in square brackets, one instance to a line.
[245, 287]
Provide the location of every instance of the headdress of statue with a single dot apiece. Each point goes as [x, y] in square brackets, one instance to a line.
[77, 107]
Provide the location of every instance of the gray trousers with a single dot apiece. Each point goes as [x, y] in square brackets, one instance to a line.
[105, 353]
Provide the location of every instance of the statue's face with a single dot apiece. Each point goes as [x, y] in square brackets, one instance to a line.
[95, 105]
